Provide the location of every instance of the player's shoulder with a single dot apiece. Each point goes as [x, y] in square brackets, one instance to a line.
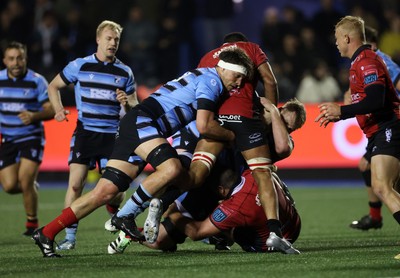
[122, 65]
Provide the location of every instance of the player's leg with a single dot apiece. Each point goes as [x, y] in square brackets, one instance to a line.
[112, 182]
[384, 174]
[9, 179]
[203, 160]
[373, 220]
[27, 174]
[76, 182]
[168, 168]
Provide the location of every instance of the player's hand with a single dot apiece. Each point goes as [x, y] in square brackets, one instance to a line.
[61, 115]
[26, 117]
[122, 97]
[329, 112]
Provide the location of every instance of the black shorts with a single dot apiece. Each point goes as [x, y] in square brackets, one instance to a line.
[249, 133]
[91, 148]
[386, 142]
[11, 153]
[135, 128]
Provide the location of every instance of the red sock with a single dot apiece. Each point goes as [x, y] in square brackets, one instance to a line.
[32, 223]
[375, 213]
[112, 209]
[65, 219]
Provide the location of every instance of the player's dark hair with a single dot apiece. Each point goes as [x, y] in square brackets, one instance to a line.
[239, 57]
[371, 34]
[15, 45]
[235, 37]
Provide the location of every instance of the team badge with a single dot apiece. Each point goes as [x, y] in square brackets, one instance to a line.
[218, 215]
[370, 76]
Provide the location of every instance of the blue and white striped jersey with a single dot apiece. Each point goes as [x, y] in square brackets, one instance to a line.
[23, 94]
[95, 91]
[179, 99]
[393, 68]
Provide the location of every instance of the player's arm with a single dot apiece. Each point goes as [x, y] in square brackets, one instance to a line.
[210, 128]
[282, 139]
[270, 84]
[54, 95]
[374, 100]
[29, 117]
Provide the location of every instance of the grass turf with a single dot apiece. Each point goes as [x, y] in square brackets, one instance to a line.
[329, 247]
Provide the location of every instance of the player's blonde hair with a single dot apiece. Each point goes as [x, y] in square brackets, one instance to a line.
[353, 26]
[108, 24]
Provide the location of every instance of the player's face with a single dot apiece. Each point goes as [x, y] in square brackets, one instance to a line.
[341, 41]
[15, 61]
[107, 45]
[231, 79]
[289, 118]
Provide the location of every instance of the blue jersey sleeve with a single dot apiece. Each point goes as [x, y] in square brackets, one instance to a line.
[70, 72]
[209, 89]
[42, 85]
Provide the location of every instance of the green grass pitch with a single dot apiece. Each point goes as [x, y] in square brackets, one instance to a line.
[329, 247]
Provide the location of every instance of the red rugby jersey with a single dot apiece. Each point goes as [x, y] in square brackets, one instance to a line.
[241, 102]
[367, 68]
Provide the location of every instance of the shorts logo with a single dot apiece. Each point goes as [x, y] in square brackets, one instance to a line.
[388, 133]
[218, 215]
[34, 153]
[255, 135]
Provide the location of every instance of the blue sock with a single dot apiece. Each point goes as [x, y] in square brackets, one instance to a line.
[135, 205]
[71, 232]
[130, 207]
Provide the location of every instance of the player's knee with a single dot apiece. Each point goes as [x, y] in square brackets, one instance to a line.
[117, 177]
[160, 154]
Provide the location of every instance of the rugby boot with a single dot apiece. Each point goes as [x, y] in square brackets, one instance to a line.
[45, 244]
[152, 224]
[127, 224]
[366, 222]
[280, 244]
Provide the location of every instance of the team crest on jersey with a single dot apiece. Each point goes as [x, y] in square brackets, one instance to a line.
[370, 75]
[218, 215]
[213, 82]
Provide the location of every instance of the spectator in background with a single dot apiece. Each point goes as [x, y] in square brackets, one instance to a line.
[271, 35]
[73, 38]
[139, 44]
[15, 22]
[25, 105]
[217, 22]
[176, 49]
[45, 48]
[289, 58]
[323, 22]
[390, 40]
[318, 85]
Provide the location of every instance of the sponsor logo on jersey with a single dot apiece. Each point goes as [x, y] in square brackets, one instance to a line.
[91, 76]
[229, 47]
[218, 215]
[13, 106]
[370, 75]
[230, 118]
